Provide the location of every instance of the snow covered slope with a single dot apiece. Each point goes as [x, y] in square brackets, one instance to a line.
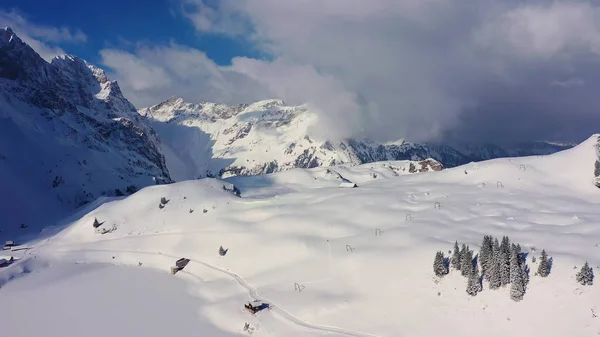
[67, 136]
[362, 257]
[268, 136]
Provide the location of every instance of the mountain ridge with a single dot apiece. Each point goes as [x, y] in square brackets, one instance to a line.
[68, 135]
[269, 136]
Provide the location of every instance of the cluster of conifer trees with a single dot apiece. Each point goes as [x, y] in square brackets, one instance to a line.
[502, 264]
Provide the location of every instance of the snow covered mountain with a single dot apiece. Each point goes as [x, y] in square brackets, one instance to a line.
[67, 136]
[269, 136]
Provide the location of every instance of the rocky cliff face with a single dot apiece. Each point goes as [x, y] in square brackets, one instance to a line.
[67, 134]
[269, 136]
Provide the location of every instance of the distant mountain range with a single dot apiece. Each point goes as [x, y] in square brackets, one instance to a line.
[69, 136]
[212, 139]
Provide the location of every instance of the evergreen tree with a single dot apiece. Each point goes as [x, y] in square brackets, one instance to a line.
[463, 252]
[456, 257]
[585, 275]
[505, 245]
[504, 268]
[543, 267]
[467, 263]
[505, 261]
[517, 288]
[515, 266]
[439, 267]
[493, 258]
[485, 253]
[493, 275]
[524, 271]
[474, 282]
[496, 249]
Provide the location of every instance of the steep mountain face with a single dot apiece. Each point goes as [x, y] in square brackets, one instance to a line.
[67, 135]
[268, 136]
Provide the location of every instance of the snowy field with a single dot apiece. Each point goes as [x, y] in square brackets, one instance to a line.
[98, 300]
[298, 229]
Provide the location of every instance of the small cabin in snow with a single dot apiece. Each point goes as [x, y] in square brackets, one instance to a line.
[8, 245]
[348, 184]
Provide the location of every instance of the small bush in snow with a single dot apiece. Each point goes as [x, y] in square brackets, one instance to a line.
[118, 192]
[585, 275]
[222, 251]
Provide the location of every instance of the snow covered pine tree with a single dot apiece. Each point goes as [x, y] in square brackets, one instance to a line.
[461, 256]
[517, 287]
[485, 253]
[505, 261]
[494, 268]
[585, 275]
[439, 266]
[515, 268]
[467, 262]
[473, 283]
[456, 257]
[543, 267]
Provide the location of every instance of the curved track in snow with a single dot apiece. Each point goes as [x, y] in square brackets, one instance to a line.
[253, 292]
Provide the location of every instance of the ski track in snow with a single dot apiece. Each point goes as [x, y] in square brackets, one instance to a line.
[253, 292]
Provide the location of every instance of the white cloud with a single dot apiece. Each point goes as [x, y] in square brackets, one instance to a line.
[150, 74]
[42, 39]
[546, 29]
[389, 69]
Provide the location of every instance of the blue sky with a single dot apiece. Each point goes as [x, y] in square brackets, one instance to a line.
[117, 23]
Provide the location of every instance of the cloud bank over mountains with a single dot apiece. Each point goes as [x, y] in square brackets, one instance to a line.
[422, 70]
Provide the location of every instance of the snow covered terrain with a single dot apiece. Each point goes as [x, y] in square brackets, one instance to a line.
[67, 300]
[335, 261]
[67, 136]
[269, 136]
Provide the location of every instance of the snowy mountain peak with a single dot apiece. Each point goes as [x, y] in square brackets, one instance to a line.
[268, 136]
[6, 35]
[82, 138]
[266, 104]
